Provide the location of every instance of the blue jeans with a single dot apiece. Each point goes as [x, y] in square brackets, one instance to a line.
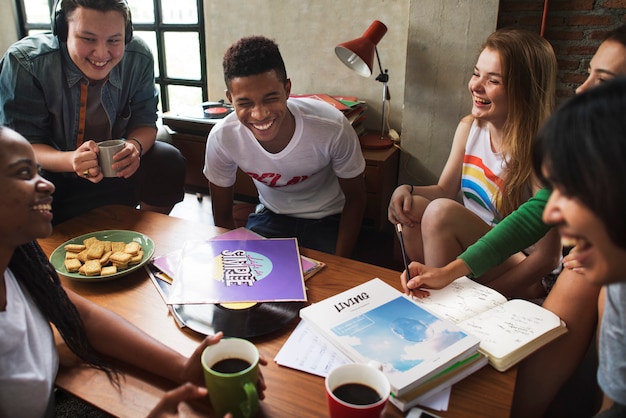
[316, 234]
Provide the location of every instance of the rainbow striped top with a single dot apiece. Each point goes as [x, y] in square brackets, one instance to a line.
[480, 180]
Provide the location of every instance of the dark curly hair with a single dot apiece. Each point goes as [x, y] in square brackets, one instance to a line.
[251, 56]
[34, 272]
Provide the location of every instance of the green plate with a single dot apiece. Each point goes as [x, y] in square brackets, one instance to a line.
[147, 245]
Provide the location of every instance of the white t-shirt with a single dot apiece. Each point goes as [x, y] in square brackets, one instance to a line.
[301, 180]
[28, 355]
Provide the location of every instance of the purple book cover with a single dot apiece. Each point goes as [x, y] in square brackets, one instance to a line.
[225, 271]
[168, 263]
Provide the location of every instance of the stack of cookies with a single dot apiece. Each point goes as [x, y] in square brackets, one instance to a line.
[101, 258]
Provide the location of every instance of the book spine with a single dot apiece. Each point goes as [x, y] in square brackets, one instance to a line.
[405, 403]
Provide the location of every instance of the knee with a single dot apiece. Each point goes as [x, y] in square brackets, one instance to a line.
[437, 215]
[165, 157]
[163, 176]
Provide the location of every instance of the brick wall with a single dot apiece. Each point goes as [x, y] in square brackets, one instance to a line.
[573, 27]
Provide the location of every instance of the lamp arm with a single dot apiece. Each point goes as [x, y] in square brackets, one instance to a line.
[380, 67]
[383, 77]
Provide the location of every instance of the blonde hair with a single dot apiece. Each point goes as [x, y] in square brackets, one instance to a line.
[529, 69]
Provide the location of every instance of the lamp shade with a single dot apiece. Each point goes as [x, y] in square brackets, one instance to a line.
[358, 54]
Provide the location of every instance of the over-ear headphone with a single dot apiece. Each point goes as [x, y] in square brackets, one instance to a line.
[59, 22]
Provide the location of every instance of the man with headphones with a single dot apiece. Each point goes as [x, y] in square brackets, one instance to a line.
[88, 81]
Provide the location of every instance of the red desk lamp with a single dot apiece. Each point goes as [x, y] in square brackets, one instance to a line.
[358, 55]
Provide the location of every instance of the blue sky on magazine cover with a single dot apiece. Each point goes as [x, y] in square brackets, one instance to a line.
[398, 334]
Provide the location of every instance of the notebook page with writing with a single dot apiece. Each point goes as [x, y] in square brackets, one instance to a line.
[510, 326]
[461, 299]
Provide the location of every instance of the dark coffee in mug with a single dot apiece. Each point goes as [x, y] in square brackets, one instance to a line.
[356, 394]
[231, 365]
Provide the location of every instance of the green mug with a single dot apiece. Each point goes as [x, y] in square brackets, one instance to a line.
[231, 371]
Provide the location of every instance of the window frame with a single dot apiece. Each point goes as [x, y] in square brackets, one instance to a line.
[163, 81]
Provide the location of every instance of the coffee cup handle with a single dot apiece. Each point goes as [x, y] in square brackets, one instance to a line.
[249, 406]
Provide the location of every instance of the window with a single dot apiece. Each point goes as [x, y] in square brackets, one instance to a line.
[174, 30]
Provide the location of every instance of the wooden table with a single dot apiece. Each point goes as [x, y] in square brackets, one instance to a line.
[290, 393]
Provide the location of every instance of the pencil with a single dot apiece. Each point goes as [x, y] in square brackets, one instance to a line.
[404, 258]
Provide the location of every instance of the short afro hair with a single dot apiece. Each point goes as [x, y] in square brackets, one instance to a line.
[251, 56]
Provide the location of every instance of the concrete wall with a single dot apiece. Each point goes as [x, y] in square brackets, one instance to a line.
[444, 42]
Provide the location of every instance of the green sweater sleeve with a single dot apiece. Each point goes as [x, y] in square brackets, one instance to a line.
[521, 229]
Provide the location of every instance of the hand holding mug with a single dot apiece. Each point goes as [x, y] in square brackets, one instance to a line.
[85, 162]
[168, 405]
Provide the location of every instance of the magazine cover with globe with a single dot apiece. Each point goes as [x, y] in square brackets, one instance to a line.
[229, 271]
[375, 323]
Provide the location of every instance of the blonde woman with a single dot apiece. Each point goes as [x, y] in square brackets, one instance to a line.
[513, 93]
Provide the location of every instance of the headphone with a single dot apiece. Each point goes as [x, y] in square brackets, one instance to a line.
[59, 22]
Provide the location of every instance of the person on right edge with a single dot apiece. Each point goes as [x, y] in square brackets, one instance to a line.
[572, 298]
[581, 154]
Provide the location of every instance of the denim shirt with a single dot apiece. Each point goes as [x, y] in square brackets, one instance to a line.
[40, 91]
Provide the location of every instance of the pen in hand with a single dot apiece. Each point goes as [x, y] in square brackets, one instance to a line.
[404, 259]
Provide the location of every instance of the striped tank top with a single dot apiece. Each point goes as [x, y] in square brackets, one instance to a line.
[481, 179]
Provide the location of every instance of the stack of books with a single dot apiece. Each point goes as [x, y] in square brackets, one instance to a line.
[374, 323]
[426, 345]
[350, 106]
